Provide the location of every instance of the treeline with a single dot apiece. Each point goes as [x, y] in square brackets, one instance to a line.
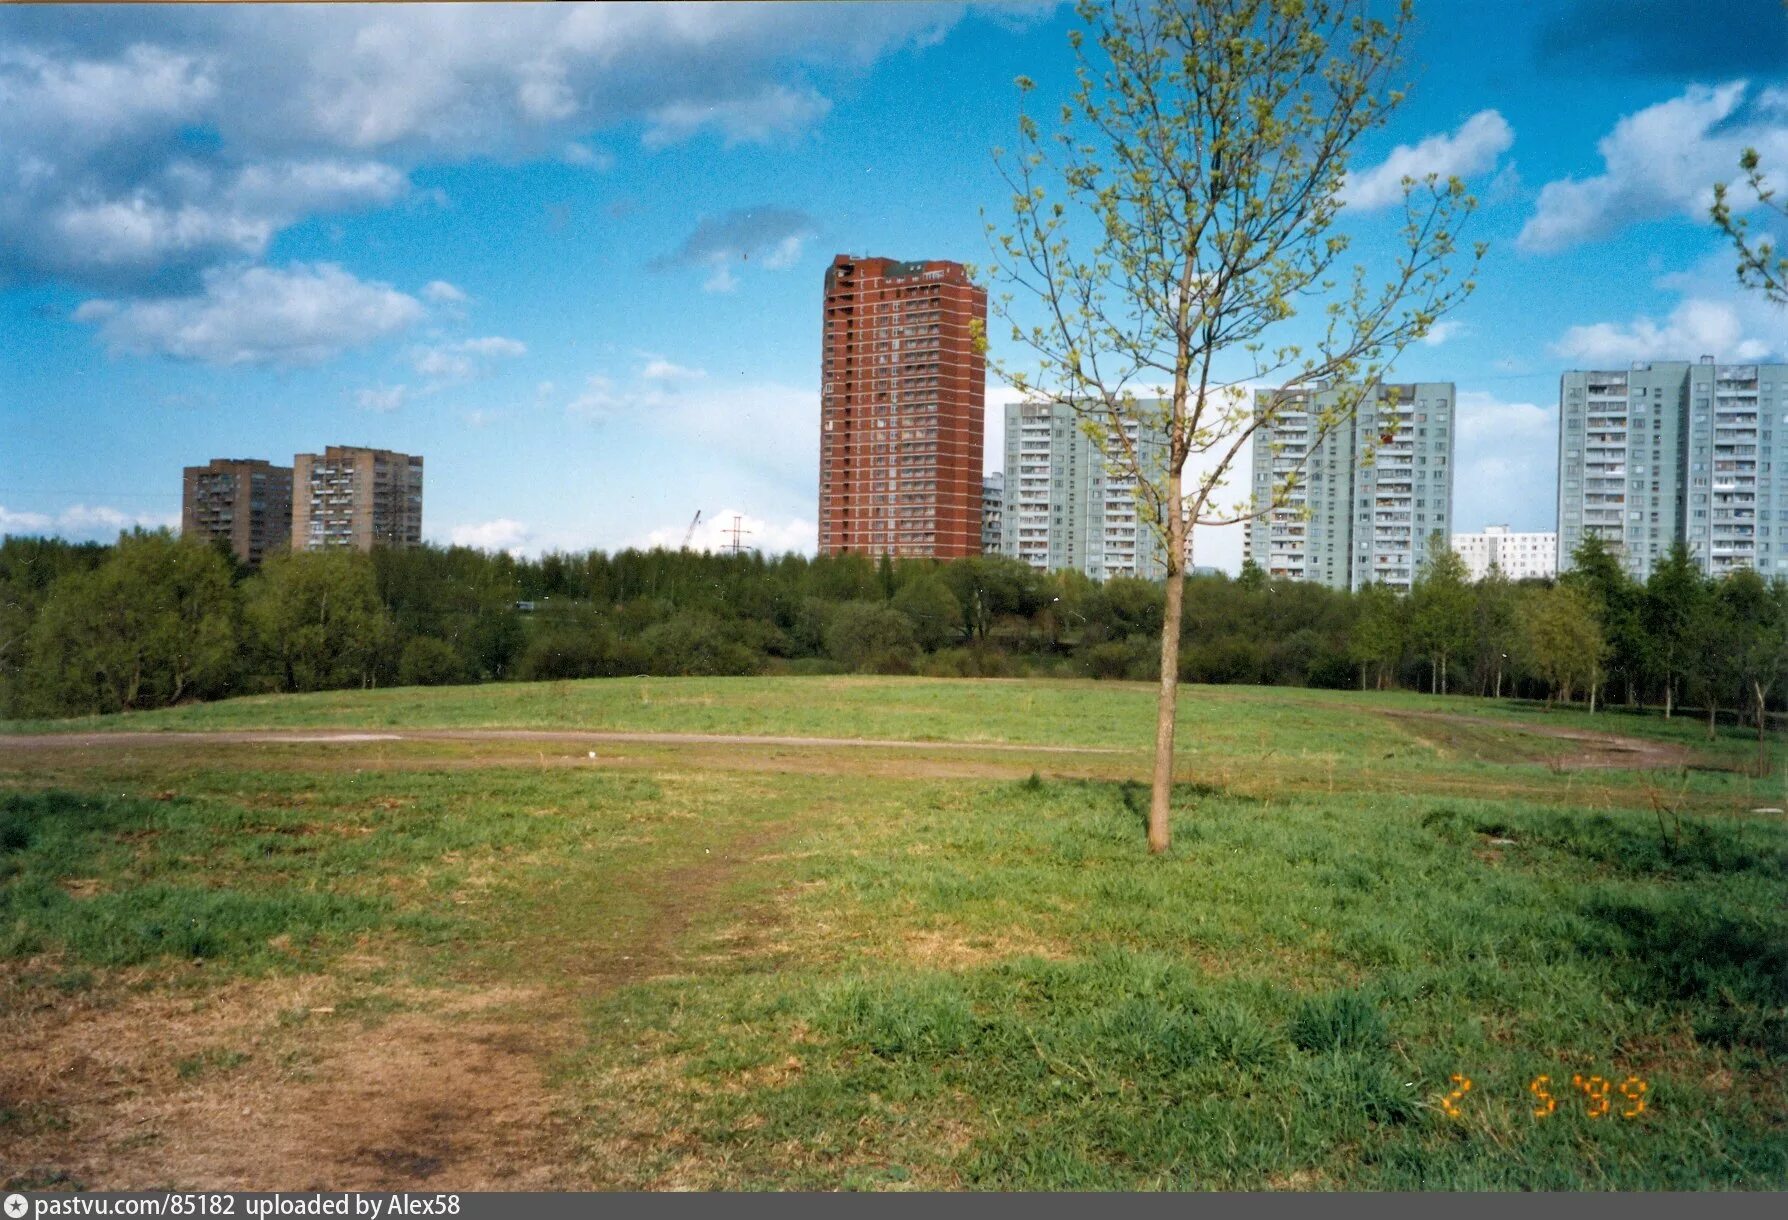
[155, 620]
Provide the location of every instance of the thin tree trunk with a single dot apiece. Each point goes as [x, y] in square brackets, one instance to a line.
[1713, 712]
[1758, 687]
[1669, 695]
[1161, 786]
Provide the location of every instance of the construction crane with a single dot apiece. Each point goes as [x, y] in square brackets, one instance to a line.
[690, 532]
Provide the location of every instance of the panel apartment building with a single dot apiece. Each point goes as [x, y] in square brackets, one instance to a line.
[245, 502]
[352, 497]
[1064, 508]
[1372, 492]
[1667, 450]
[1517, 555]
[902, 409]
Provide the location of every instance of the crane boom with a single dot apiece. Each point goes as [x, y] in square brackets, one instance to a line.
[690, 532]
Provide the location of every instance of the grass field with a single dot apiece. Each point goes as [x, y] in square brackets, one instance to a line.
[501, 961]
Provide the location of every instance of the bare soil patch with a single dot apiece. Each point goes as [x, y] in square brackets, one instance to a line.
[321, 1082]
[1582, 750]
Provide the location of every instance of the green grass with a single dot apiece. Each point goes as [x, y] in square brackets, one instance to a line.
[899, 980]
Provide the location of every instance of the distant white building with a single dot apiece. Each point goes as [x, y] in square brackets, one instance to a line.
[1519, 556]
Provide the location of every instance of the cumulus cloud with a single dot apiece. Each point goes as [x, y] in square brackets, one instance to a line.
[721, 244]
[1662, 161]
[501, 534]
[168, 139]
[440, 292]
[775, 111]
[1470, 149]
[82, 522]
[1440, 332]
[715, 534]
[1696, 327]
[1505, 463]
[771, 428]
[659, 369]
[303, 314]
[576, 153]
[466, 358]
[382, 398]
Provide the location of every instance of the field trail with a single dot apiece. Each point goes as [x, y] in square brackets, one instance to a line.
[127, 739]
[301, 1083]
[1589, 750]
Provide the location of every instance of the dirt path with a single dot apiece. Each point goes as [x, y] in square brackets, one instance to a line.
[301, 1084]
[1589, 750]
[124, 740]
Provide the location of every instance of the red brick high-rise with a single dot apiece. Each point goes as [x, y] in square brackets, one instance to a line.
[902, 409]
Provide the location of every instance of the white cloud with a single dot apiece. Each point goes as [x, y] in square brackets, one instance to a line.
[501, 534]
[464, 359]
[1470, 149]
[1440, 332]
[440, 292]
[575, 153]
[1662, 161]
[297, 111]
[775, 111]
[715, 533]
[303, 314]
[658, 369]
[382, 398]
[83, 522]
[774, 236]
[1505, 463]
[598, 401]
[1696, 327]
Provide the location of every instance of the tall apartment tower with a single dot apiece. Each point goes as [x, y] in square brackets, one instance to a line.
[245, 502]
[1064, 508]
[1372, 492]
[352, 497]
[902, 409]
[1668, 450]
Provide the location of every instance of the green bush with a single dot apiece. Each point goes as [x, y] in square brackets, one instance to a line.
[429, 662]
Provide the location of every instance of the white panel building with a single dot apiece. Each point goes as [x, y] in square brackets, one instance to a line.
[1063, 508]
[1518, 556]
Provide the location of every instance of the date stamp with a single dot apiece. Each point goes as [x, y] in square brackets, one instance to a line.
[1598, 1094]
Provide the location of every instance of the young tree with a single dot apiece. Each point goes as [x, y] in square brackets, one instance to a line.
[1673, 611]
[1760, 265]
[1597, 571]
[1203, 156]
[154, 624]
[1378, 633]
[1562, 642]
[1495, 629]
[317, 618]
[1441, 610]
[1756, 637]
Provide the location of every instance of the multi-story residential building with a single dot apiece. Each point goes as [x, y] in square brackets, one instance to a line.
[1518, 556]
[1671, 450]
[1621, 450]
[902, 409]
[1371, 492]
[354, 497]
[993, 509]
[246, 502]
[1065, 507]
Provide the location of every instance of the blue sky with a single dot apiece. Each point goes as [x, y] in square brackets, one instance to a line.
[572, 255]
